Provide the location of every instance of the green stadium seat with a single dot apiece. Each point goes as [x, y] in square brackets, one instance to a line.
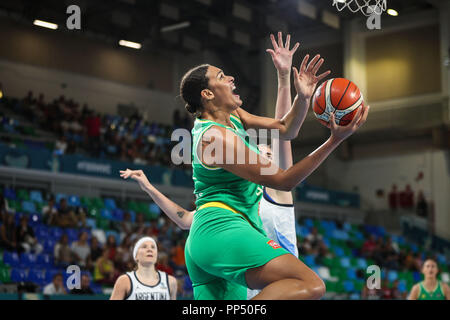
[93, 212]
[5, 275]
[85, 202]
[132, 206]
[23, 194]
[97, 203]
[331, 286]
[103, 223]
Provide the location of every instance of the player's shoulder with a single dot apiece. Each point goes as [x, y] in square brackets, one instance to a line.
[124, 280]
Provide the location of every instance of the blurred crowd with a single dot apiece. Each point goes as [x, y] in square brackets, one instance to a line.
[81, 130]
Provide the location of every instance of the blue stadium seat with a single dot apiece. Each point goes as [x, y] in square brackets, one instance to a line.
[28, 206]
[338, 251]
[50, 273]
[132, 215]
[72, 234]
[154, 208]
[44, 260]
[35, 220]
[11, 259]
[362, 263]
[74, 201]
[19, 275]
[110, 204]
[118, 214]
[37, 276]
[417, 276]
[91, 223]
[351, 274]
[304, 231]
[49, 245]
[441, 258]
[347, 227]
[349, 286]
[36, 196]
[56, 233]
[309, 223]
[9, 194]
[345, 262]
[106, 213]
[310, 260]
[392, 275]
[326, 241]
[27, 260]
[402, 286]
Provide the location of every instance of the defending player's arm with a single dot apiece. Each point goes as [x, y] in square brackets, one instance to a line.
[173, 285]
[414, 292]
[290, 123]
[259, 170]
[121, 288]
[179, 215]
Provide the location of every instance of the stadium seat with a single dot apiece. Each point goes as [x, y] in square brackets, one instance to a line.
[56, 233]
[351, 274]
[110, 204]
[37, 276]
[402, 286]
[106, 214]
[118, 214]
[310, 260]
[72, 234]
[11, 259]
[345, 262]
[23, 195]
[308, 223]
[338, 251]
[19, 275]
[392, 275]
[362, 263]
[74, 201]
[27, 260]
[355, 296]
[9, 194]
[91, 223]
[44, 260]
[49, 245]
[36, 196]
[5, 275]
[349, 286]
[28, 207]
[153, 207]
[35, 220]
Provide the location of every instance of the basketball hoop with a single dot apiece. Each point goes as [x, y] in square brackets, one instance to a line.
[367, 7]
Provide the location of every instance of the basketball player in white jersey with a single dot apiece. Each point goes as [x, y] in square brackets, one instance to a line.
[276, 207]
[146, 282]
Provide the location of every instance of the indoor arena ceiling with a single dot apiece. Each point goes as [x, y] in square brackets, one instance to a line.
[208, 24]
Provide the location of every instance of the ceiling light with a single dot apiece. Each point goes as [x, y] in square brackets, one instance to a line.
[392, 12]
[45, 24]
[130, 44]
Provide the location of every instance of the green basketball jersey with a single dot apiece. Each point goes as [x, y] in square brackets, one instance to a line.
[437, 294]
[214, 184]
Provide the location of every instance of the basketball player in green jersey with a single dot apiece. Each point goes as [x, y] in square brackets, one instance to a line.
[227, 245]
[430, 288]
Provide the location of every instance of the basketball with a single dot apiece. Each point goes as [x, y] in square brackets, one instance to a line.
[337, 95]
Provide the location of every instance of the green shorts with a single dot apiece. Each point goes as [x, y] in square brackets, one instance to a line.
[221, 247]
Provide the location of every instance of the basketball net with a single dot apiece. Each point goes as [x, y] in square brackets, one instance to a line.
[367, 7]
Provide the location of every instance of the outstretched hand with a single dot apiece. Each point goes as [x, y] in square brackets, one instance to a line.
[137, 175]
[305, 79]
[341, 133]
[281, 55]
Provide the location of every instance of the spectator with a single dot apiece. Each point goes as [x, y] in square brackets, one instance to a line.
[123, 255]
[305, 247]
[393, 198]
[49, 212]
[386, 292]
[66, 216]
[111, 247]
[81, 250]
[422, 205]
[126, 225]
[178, 258]
[163, 263]
[85, 286]
[4, 205]
[25, 237]
[62, 252]
[369, 247]
[104, 271]
[56, 286]
[408, 198]
[418, 262]
[7, 233]
[395, 292]
[61, 145]
[371, 293]
[314, 237]
[95, 253]
[93, 124]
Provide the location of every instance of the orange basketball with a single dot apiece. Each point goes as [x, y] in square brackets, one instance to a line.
[337, 95]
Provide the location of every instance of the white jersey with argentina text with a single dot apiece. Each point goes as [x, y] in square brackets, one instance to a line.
[140, 291]
[279, 223]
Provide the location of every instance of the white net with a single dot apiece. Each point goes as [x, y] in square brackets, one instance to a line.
[367, 7]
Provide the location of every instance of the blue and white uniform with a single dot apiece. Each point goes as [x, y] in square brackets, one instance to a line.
[279, 223]
[140, 291]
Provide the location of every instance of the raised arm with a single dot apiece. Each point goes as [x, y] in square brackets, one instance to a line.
[305, 81]
[179, 215]
[257, 169]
